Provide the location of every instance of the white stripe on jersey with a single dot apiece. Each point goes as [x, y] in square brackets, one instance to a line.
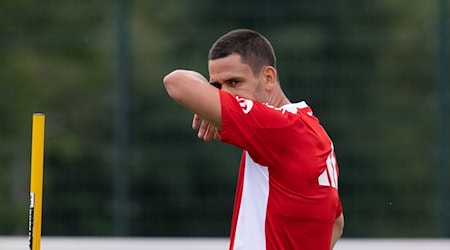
[250, 228]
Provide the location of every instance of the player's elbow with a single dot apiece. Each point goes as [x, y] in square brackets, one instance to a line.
[172, 83]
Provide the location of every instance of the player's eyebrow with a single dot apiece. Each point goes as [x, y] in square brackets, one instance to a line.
[234, 79]
[216, 84]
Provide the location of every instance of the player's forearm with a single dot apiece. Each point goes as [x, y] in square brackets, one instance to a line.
[176, 81]
[193, 91]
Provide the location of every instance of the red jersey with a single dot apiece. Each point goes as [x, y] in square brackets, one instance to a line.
[286, 196]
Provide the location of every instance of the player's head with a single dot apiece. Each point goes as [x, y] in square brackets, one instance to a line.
[242, 62]
[254, 49]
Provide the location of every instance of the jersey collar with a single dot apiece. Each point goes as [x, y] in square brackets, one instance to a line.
[292, 107]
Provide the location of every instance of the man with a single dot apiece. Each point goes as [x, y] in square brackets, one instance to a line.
[287, 194]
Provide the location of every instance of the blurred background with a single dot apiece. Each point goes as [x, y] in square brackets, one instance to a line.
[121, 159]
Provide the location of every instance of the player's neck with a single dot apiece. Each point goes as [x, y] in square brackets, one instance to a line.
[278, 98]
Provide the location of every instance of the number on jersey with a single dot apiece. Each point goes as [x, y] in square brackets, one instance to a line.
[329, 176]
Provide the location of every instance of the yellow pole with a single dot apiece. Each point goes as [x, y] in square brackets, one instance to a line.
[36, 181]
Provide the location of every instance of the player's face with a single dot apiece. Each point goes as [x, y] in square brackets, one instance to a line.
[237, 78]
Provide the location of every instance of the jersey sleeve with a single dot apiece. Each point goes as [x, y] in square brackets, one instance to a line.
[255, 127]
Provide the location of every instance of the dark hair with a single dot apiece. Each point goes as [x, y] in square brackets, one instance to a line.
[254, 49]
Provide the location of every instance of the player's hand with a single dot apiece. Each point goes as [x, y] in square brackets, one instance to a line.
[206, 131]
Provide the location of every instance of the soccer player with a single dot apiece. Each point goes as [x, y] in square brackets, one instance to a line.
[287, 195]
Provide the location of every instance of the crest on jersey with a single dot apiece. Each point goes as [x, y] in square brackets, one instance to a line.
[245, 104]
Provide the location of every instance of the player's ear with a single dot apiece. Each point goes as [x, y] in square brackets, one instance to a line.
[270, 77]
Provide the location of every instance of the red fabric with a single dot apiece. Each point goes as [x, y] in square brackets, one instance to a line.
[293, 145]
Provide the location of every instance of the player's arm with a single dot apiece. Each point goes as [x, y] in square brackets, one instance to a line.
[338, 228]
[193, 91]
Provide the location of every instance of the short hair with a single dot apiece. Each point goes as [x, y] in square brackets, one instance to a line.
[255, 50]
